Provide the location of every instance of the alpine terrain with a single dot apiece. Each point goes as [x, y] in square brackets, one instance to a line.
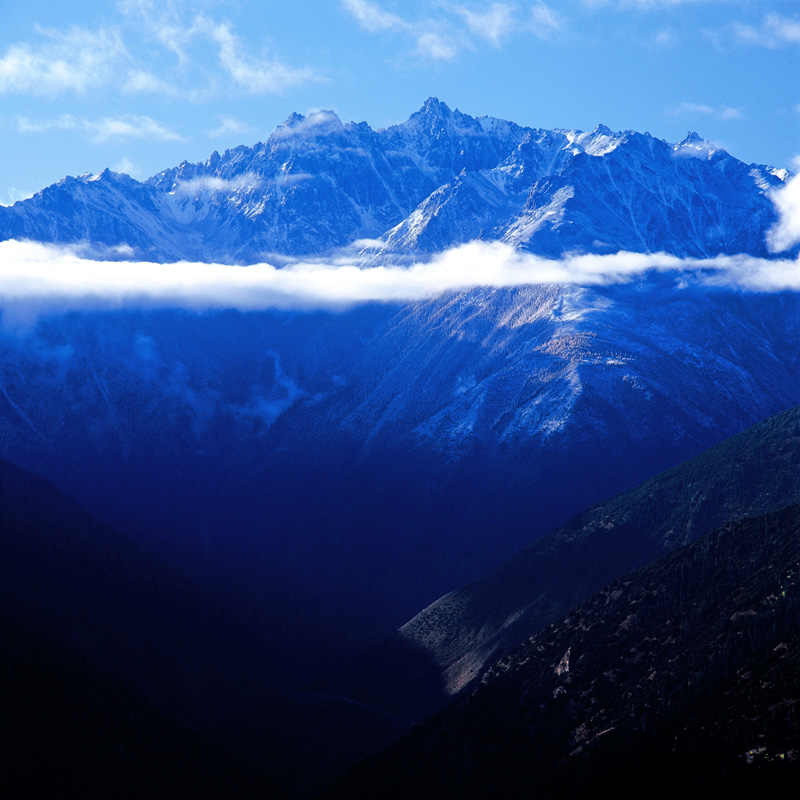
[246, 515]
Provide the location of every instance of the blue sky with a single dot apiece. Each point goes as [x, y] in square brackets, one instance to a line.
[139, 86]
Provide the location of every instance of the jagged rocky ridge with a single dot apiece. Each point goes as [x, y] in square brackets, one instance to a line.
[438, 179]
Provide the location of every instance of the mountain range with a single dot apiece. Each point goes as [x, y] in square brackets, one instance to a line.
[294, 533]
[439, 179]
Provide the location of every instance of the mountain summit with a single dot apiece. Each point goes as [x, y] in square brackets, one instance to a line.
[437, 180]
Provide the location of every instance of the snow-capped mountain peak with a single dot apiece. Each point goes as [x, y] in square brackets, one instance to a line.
[695, 146]
[436, 180]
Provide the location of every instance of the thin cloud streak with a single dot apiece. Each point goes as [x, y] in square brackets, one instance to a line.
[128, 126]
[695, 109]
[255, 76]
[37, 279]
[80, 60]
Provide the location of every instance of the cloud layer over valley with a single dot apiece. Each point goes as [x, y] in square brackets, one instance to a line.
[38, 279]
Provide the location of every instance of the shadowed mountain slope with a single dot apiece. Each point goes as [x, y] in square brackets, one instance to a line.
[449, 644]
[335, 473]
[681, 677]
[70, 730]
[74, 581]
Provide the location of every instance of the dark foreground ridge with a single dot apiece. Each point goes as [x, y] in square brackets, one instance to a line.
[70, 730]
[448, 646]
[680, 678]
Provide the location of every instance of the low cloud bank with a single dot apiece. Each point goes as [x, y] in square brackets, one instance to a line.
[37, 279]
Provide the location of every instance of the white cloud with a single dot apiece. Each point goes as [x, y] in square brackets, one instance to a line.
[229, 126]
[187, 36]
[372, 18]
[433, 41]
[162, 23]
[126, 166]
[774, 31]
[731, 113]
[132, 126]
[436, 45]
[143, 82]
[15, 195]
[317, 120]
[255, 76]
[665, 38]
[73, 61]
[454, 27]
[501, 21]
[699, 109]
[785, 234]
[210, 184]
[644, 5]
[494, 23]
[36, 279]
[544, 21]
[79, 60]
[128, 126]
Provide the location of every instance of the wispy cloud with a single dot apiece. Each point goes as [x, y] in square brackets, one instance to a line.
[128, 126]
[229, 126]
[76, 60]
[132, 126]
[123, 57]
[15, 195]
[699, 109]
[208, 184]
[163, 23]
[255, 76]
[494, 24]
[432, 39]
[126, 166]
[544, 21]
[665, 38]
[450, 27]
[644, 5]
[775, 31]
[372, 18]
[143, 82]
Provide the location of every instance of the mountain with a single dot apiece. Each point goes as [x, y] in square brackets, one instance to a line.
[71, 730]
[446, 648]
[83, 588]
[681, 677]
[333, 473]
[223, 507]
[439, 179]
